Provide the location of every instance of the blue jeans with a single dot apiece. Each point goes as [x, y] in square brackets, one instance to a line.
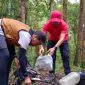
[64, 54]
[7, 52]
[6, 57]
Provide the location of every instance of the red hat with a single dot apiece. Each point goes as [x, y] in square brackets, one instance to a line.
[55, 16]
[55, 20]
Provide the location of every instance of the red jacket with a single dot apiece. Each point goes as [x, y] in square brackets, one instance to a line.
[61, 28]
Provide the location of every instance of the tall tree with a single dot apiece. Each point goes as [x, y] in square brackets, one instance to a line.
[36, 26]
[81, 35]
[50, 5]
[8, 8]
[22, 10]
[35, 15]
[64, 9]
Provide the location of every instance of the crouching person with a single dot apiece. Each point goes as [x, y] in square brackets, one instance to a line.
[15, 33]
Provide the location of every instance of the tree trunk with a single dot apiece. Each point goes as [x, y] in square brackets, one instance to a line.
[35, 15]
[22, 10]
[36, 26]
[52, 5]
[64, 11]
[81, 35]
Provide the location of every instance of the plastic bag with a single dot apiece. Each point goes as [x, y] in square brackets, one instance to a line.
[44, 63]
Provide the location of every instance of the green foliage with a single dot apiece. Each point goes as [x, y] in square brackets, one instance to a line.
[42, 12]
[73, 15]
[43, 15]
[10, 8]
[31, 55]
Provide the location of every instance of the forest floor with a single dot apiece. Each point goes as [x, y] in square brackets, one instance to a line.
[45, 74]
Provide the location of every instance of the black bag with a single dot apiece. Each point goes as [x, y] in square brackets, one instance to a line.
[19, 77]
[82, 79]
[31, 72]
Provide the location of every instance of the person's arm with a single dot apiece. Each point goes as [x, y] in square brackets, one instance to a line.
[24, 40]
[62, 36]
[23, 65]
[23, 60]
[51, 50]
[41, 49]
[16, 61]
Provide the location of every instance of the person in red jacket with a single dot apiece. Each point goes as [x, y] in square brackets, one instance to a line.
[58, 37]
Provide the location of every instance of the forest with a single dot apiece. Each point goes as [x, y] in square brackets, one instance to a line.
[36, 12]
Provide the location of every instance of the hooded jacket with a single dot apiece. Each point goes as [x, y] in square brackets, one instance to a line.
[61, 28]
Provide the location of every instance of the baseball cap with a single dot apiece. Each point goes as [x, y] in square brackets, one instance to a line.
[55, 20]
[41, 37]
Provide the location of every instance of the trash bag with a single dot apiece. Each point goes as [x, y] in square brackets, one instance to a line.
[82, 79]
[44, 63]
[31, 72]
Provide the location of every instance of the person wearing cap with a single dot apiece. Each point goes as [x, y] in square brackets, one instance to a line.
[15, 33]
[58, 37]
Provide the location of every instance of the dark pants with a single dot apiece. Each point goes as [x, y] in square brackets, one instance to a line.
[7, 52]
[64, 54]
[6, 57]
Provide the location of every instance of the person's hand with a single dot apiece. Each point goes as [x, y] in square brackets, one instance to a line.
[51, 51]
[28, 81]
[41, 50]
[16, 62]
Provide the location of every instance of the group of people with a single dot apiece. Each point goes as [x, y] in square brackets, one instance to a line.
[15, 33]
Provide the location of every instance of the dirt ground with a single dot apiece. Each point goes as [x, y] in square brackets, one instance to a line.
[44, 75]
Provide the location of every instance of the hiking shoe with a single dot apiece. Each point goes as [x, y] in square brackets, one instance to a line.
[50, 77]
